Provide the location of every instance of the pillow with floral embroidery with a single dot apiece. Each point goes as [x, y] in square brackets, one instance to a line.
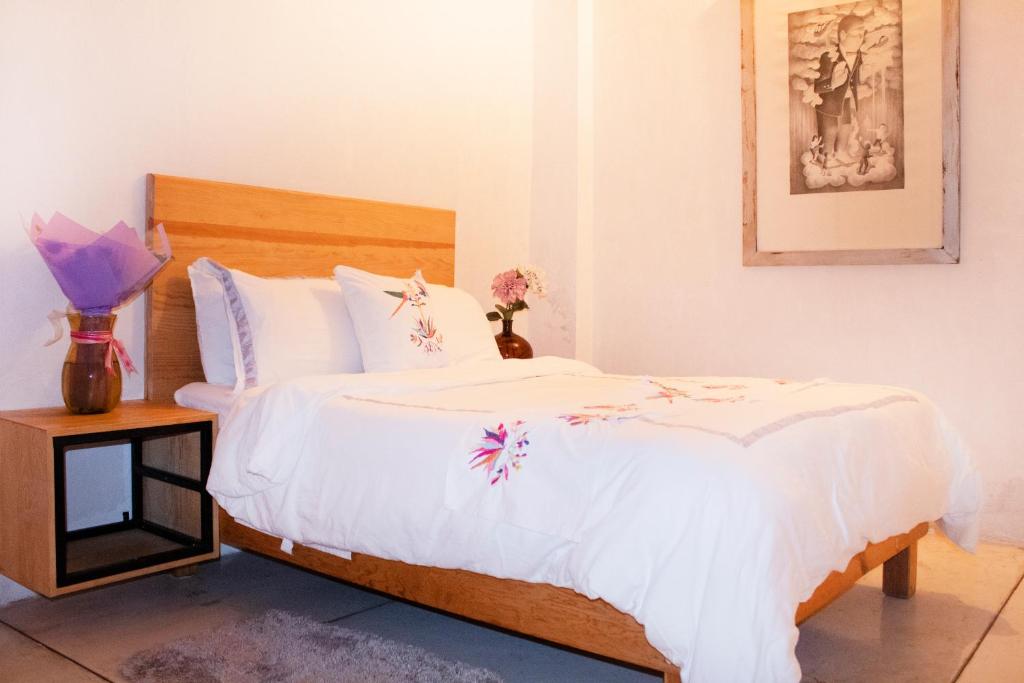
[394, 320]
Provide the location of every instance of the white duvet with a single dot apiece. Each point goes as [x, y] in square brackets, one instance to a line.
[707, 508]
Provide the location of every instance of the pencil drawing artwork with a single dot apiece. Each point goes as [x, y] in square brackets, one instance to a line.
[846, 98]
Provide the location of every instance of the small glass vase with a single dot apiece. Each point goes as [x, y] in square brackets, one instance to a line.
[510, 344]
[88, 385]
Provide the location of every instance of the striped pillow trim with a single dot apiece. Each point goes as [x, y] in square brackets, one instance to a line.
[242, 327]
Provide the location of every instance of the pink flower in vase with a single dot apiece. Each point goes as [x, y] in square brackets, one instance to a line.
[509, 287]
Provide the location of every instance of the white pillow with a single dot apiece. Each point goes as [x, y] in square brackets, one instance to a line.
[212, 326]
[394, 320]
[468, 335]
[285, 327]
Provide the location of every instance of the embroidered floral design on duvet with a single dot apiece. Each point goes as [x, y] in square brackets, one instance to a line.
[425, 334]
[500, 451]
[602, 413]
[670, 393]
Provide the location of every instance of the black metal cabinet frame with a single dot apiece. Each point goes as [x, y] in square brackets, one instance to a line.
[190, 546]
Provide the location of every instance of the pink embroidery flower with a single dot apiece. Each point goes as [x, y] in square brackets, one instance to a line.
[615, 408]
[606, 413]
[667, 392]
[500, 451]
[424, 333]
[509, 287]
[670, 393]
[426, 336]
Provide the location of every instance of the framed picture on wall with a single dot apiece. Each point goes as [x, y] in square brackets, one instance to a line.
[851, 132]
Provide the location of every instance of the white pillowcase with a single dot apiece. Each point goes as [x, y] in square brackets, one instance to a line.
[282, 328]
[212, 326]
[394, 319]
[468, 334]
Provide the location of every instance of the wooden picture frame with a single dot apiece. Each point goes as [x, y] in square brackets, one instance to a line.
[758, 252]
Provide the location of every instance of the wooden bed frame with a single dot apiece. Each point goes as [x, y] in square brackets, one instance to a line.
[282, 233]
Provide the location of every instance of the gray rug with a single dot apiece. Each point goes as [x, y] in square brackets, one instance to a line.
[278, 646]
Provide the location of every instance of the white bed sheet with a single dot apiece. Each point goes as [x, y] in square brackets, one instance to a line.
[707, 508]
[210, 397]
[220, 399]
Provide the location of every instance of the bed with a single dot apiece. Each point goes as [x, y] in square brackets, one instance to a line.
[271, 232]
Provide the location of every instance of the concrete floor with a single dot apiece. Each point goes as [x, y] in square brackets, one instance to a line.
[966, 623]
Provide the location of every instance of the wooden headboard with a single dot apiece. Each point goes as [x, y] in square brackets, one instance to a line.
[272, 233]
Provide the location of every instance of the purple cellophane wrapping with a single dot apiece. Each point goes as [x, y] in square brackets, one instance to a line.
[97, 272]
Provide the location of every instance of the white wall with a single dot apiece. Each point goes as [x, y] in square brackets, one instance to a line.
[417, 102]
[672, 296]
[553, 218]
[561, 198]
[424, 103]
[100, 485]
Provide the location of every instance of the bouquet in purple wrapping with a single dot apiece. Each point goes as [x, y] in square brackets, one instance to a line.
[98, 273]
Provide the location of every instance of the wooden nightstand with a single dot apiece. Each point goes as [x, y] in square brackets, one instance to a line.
[173, 521]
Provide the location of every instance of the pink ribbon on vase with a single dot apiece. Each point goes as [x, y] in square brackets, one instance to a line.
[113, 346]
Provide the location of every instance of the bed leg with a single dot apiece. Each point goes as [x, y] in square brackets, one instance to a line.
[899, 573]
[187, 570]
[673, 677]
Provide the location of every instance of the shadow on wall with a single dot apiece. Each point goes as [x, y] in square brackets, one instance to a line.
[27, 294]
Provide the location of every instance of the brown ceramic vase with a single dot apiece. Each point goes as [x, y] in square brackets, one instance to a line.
[510, 344]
